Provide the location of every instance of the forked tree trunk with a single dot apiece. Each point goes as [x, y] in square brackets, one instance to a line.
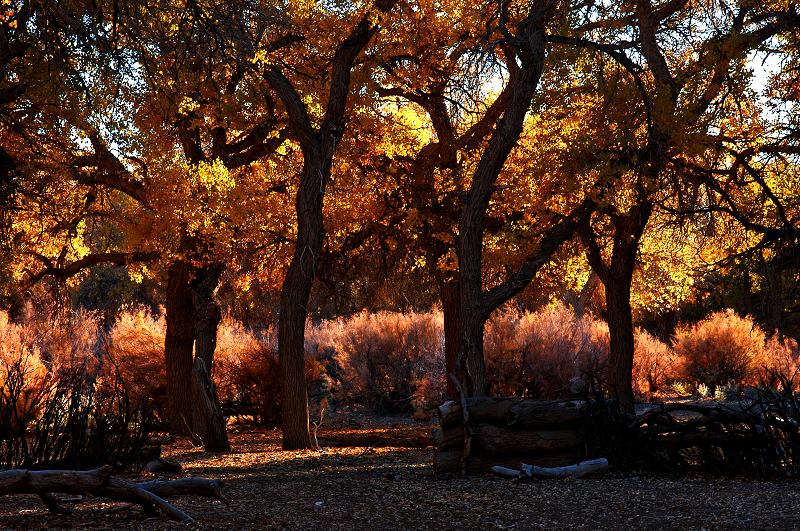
[208, 420]
[476, 304]
[178, 347]
[192, 314]
[617, 278]
[319, 147]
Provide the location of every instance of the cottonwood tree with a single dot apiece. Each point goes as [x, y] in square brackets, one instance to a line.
[174, 74]
[689, 66]
[318, 133]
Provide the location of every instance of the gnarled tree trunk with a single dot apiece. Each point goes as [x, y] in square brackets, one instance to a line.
[193, 317]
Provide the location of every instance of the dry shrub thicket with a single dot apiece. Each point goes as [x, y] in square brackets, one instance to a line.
[538, 354]
[63, 400]
[726, 348]
[387, 363]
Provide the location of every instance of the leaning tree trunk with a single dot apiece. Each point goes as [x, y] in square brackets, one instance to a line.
[451, 312]
[208, 420]
[295, 294]
[178, 346]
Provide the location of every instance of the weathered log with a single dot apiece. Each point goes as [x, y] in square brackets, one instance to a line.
[514, 412]
[541, 413]
[99, 482]
[584, 468]
[448, 461]
[496, 440]
[481, 409]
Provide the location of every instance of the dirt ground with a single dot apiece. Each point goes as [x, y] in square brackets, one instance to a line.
[371, 487]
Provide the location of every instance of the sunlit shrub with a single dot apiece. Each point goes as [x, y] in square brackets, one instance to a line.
[724, 347]
[246, 372]
[782, 364]
[654, 365]
[135, 345]
[62, 402]
[538, 354]
[386, 362]
[65, 341]
[23, 376]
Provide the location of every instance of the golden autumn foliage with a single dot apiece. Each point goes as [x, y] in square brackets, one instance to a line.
[349, 160]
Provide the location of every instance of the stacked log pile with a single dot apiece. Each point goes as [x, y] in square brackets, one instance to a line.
[508, 431]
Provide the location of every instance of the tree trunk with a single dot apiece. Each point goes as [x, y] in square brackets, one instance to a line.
[451, 312]
[295, 294]
[620, 328]
[476, 305]
[178, 346]
[208, 420]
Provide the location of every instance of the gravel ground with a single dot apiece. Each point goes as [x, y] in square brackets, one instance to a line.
[394, 488]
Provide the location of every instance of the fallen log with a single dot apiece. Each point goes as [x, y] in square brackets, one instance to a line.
[396, 437]
[449, 461]
[100, 482]
[584, 468]
[496, 440]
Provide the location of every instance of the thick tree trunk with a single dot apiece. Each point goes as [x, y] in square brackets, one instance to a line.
[178, 346]
[295, 294]
[620, 327]
[451, 312]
